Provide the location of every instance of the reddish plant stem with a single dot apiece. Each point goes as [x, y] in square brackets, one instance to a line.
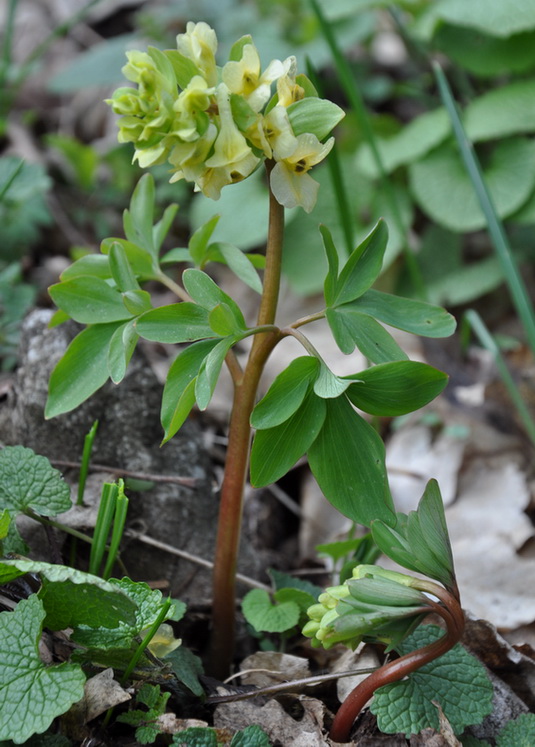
[237, 460]
[452, 614]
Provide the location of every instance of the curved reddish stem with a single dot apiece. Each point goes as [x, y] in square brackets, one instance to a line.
[450, 611]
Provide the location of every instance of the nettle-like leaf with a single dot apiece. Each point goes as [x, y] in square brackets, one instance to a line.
[196, 736]
[82, 370]
[286, 394]
[347, 459]
[456, 681]
[32, 695]
[392, 389]
[518, 733]
[28, 481]
[420, 541]
[147, 602]
[179, 390]
[283, 580]
[275, 450]
[72, 597]
[251, 736]
[267, 617]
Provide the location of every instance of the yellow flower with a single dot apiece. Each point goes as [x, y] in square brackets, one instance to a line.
[244, 78]
[199, 44]
[288, 90]
[273, 133]
[290, 182]
[189, 107]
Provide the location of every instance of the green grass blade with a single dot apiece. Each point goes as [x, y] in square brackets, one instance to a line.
[119, 520]
[496, 230]
[102, 527]
[357, 104]
[86, 457]
[488, 342]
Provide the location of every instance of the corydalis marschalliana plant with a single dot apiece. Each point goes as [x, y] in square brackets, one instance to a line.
[214, 125]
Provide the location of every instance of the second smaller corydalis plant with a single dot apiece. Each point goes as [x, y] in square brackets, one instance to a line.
[384, 606]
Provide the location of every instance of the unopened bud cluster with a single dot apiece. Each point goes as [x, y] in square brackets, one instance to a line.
[215, 125]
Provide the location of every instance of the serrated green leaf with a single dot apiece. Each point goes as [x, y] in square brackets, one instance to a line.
[137, 220]
[179, 391]
[518, 733]
[28, 480]
[315, 115]
[347, 460]
[178, 322]
[121, 271]
[199, 241]
[302, 598]
[32, 695]
[208, 294]
[451, 200]
[187, 668]
[267, 617]
[90, 264]
[239, 262]
[417, 317]
[146, 603]
[196, 736]
[286, 393]
[351, 328]
[120, 351]
[89, 300]
[456, 680]
[392, 389]
[275, 450]
[210, 370]
[283, 580]
[331, 279]
[81, 371]
[363, 266]
[251, 736]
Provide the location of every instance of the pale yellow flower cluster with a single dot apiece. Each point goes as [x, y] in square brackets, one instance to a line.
[215, 125]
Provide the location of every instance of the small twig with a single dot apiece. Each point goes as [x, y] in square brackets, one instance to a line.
[192, 558]
[188, 482]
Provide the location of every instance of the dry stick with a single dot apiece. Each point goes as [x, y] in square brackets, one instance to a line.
[393, 671]
[231, 506]
[188, 482]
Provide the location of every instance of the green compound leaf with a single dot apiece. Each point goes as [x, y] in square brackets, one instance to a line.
[392, 389]
[28, 480]
[328, 385]
[329, 286]
[347, 460]
[208, 294]
[352, 329]
[137, 221]
[363, 266]
[251, 736]
[31, 694]
[90, 264]
[518, 733]
[139, 259]
[457, 681]
[417, 317]
[178, 322]
[286, 394]
[82, 370]
[179, 390]
[121, 270]
[199, 241]
[120, 351]
[72, 597]
[89, 300]
[264, 616]
[210, 369]
[240, 264]
[276, 450]
[148, 603]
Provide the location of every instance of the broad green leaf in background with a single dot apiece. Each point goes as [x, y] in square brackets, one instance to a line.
[208, 294]
[502, 112]
[178, 322]
[89, 300]
[351, 328]
[392, 389]
[443, 190]
[179, 391]
[275, 450]
[264, 616]
[315, 115]
[28, 480]
[413, 142]
[302, 598]
[520, 732]
[347, 460]
[497, 19]
[82, 370]
[413, 316]
[286, 393]
[31, 694]
[456, 680]
[363, 266]
[283, 580]
[148, 603]
[64, 590]
[120, 351]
